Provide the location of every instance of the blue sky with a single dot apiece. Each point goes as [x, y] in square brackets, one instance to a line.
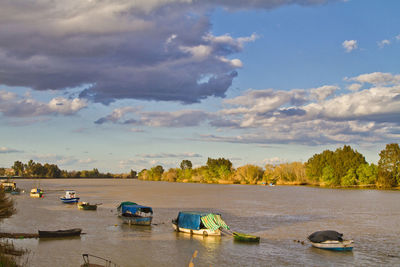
[121, 85]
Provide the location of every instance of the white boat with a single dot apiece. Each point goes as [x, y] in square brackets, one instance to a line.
[36, 192]
[204, 232]
[199, 223]
[335, 245]
[69, 197]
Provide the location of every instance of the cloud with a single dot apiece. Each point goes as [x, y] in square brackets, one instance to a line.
[383, 43]
[377, 78]
[148, 50]
[350, 45]
[13, 105]
[55, 159]
[171, 155]
[181, 118]
[87, 161]
[314, 116]
[354, 87]
[6, 150]
[398, 37]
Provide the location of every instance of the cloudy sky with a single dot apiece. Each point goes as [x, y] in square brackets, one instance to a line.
[122, 84]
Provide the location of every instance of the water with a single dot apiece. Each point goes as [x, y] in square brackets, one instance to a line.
[277, 214]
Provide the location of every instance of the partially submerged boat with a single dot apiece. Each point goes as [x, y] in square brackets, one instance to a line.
[60, 233]
[36, 192]
[242, 237]
[8, 186]
[87, 206]
[199, 223]
[133, 213]
[69, 197]
[330, 240]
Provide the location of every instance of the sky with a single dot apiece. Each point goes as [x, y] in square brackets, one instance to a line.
[120, 85]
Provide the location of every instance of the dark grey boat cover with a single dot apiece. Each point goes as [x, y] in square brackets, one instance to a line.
[322, 236]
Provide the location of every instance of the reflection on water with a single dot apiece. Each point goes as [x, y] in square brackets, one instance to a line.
[279, 215]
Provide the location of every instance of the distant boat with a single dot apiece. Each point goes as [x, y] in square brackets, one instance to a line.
[199, 223]
[36, 192]
[87, 206]
[132, 213]
[8, 185]
[330, 240]
[60, 233]
[69, 197]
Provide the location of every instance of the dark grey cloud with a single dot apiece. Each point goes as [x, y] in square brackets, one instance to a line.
[149, 50]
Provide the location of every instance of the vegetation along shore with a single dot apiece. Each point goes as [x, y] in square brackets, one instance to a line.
[344, 167]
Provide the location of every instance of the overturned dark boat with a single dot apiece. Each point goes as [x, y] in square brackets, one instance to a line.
[330, 240]
[60, 233]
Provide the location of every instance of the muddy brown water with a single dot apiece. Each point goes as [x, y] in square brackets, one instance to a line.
[277, 214]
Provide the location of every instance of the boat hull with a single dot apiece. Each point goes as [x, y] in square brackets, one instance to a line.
[204, 232]
[335, 245]
[69, 200]
[136, 220]
[60, 233]
[87, 206]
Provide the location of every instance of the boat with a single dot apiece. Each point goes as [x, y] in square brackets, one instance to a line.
[133, 213]
[241, 237]
[88, 260]
[8, 186]
[199, 223]
[69, 197]
[60, 233]
[330, 240]
[335, 245]
[87, 206]
[36, 192]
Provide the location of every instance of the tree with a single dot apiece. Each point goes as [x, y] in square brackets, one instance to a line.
[219, 168]
[367, 174]
[389, 166]
[249, 173]
[186, 164]
[18, 168]
[132, 174]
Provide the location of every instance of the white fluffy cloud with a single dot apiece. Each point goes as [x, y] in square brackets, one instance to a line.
[350, 45]
[13, 105]
[383, 43]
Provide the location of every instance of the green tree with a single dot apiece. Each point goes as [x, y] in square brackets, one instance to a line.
[219, 168]
[350, 178]
[18, 168]
[132, 174]
[186, 164]
[250, 174]
[389, 166]
[367, 174]
[328, 176]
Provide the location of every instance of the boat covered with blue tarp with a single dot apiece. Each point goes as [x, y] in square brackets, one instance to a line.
[133, 213]
[195, 222]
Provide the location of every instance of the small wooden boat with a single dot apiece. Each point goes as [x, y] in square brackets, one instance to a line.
[69, 197]
[199, 223]
[335, 245]
[90, 259]
[36, 193]
[87, 206]
[8, 186]
[241, 237]
[61, 233]
[132, 213]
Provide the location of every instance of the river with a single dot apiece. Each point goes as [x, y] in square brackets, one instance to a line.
[279, 215]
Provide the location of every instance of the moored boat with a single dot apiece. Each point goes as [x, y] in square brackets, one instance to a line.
[335, 245]
[132, 213]
[87, 206]
[330, 240]
[69, 197]
[8, 186]
[36, 192]
[199, 223]
[61, 233]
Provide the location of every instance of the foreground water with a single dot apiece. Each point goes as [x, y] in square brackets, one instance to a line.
[278, 214]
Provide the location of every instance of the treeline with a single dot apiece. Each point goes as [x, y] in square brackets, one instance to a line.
[37, 170]
[342, 167]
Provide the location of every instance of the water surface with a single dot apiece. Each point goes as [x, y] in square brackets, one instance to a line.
[277, 214]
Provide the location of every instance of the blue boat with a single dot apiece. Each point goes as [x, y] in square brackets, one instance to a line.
[330, 240]
[133, 213]
[69, 197]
